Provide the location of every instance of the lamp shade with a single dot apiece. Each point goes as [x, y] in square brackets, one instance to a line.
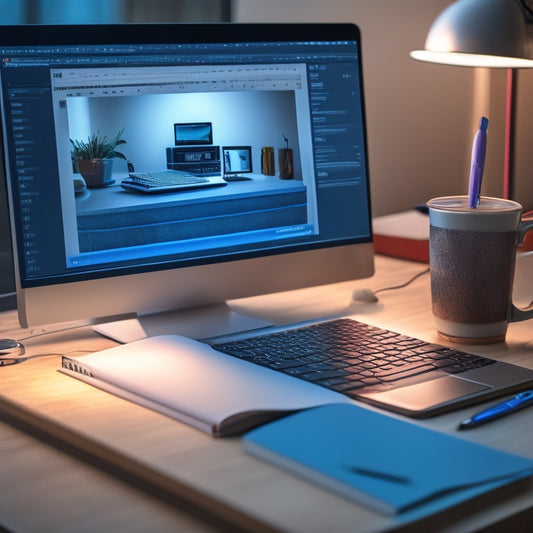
[480, 33]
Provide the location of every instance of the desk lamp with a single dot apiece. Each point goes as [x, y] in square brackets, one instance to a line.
[486, 33]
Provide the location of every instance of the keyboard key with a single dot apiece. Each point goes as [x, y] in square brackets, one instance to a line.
[405, 372]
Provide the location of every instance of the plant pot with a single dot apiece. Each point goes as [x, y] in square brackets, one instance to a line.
[96, 172]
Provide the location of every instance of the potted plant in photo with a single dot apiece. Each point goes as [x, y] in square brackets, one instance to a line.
[93, 158]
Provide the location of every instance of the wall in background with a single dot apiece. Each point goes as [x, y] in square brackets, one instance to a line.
[421, 117]
[109, 11]
[148, 122]
[523, 161]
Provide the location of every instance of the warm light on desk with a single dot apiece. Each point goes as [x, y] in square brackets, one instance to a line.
[485, 33]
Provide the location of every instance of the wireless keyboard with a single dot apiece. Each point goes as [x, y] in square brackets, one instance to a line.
[166, 181]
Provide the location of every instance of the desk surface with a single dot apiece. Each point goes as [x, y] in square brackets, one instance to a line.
[100, 462]
[115, 198]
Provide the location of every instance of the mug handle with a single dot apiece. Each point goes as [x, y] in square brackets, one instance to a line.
[516, 314]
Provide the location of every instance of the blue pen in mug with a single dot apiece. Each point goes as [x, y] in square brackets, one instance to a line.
[472, 265]
[477, 165]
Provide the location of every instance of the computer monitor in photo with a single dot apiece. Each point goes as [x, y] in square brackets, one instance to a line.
[193, 134]
[237, 160]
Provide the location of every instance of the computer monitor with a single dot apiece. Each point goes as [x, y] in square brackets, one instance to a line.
[192, 134]
[101, 252]
[237, 160]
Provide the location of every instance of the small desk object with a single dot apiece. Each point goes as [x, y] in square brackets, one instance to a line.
[75, 455]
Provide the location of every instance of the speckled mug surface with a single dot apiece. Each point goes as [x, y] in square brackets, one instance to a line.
[472, 259]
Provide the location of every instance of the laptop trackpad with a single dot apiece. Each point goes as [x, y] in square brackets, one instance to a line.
[422, 396]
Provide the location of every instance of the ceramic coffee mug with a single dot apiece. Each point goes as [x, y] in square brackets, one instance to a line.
[472, 263]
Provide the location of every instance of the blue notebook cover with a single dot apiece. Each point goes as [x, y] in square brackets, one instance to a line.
[390, 465]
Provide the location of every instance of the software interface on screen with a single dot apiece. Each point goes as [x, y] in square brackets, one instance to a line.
[266, 95]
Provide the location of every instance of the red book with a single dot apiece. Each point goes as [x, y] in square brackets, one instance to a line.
[528, 239]
[404, 235]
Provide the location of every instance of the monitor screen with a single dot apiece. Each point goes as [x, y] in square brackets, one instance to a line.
[237, 159]
[108, 96]
[193, 133]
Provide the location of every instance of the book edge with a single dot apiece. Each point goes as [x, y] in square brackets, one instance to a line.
[402, 247]
[232, 424]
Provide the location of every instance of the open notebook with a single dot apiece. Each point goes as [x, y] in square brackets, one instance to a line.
[190, 381]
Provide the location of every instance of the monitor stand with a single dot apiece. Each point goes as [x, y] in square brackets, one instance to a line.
[199, 323]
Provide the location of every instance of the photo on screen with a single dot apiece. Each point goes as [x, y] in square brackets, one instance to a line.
[112, 224]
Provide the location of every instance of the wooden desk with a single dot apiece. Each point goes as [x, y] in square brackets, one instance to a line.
[100, 462]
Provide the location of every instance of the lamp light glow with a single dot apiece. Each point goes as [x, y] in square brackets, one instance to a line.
[480, 33]
[471, 60]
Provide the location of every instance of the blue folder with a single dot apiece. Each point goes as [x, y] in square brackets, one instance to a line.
[387, 464]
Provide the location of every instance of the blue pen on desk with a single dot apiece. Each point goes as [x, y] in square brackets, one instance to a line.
[477, 164]
[516, 403]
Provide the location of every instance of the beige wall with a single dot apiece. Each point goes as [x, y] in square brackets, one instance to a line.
[421, 118]
[524, 139]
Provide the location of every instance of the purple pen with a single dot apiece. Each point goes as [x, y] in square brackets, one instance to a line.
[479, 149]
